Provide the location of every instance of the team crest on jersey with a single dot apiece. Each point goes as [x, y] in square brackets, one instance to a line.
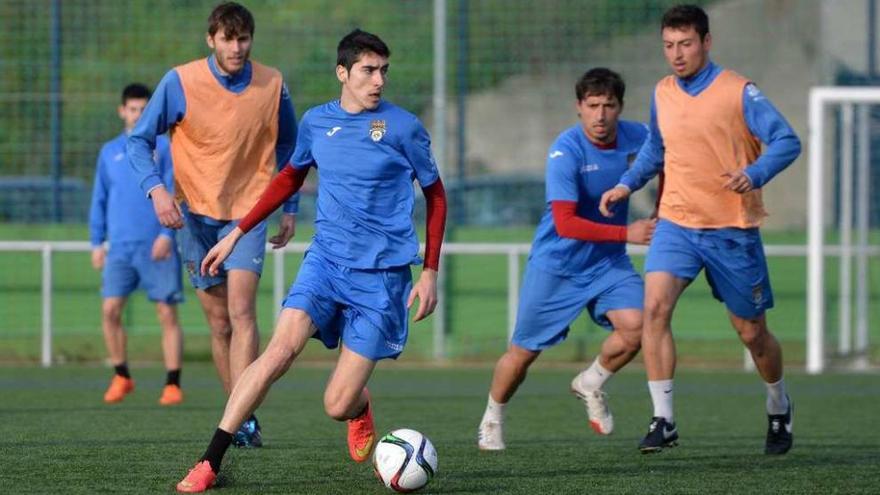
[377, 130]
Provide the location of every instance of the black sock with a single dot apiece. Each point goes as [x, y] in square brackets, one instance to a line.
[173, 377]
[122, 370]
[217, 449]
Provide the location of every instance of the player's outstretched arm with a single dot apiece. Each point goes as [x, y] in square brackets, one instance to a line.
[285, 184]
[282, 186]
[610, 198]
[218, 254]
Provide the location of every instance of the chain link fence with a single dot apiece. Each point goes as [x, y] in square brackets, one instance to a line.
[65, 63]
[510, 71]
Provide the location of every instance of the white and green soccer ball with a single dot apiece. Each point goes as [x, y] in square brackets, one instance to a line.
[405, 460]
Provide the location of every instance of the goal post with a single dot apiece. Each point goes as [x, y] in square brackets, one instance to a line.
[854, 198]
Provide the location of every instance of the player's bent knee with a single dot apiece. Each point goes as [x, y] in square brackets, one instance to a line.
[752, 335]
[632, 341]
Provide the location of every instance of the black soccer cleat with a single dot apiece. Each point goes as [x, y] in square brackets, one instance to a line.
[249, 436]
[661, 434]
[779, 435]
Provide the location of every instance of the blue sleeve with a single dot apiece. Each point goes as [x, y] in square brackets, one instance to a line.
[649, 161]
[166, 108]
[561, 175]
[163, 160]
[98, 209]
[768, 125]
[286, 142]
[417, 149]
[302, 154]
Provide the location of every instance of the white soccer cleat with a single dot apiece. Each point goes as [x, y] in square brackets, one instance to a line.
[491, 436]
[596, 403]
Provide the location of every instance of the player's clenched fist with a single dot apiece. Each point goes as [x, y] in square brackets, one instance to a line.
[610, 198]
[641, 231]
[218, 254]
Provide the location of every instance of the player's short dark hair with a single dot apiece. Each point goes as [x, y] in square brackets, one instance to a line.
[233, 18]
[135, 91]
[685, 16]
[355, 44]
[600, 82]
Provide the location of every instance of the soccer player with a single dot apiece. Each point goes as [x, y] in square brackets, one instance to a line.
[354, 286]
[707, 126]
[578, 258]
[141, 252]
[231, 124]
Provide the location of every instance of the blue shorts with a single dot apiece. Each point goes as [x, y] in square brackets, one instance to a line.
[365, 309]
[198, 236]
[734, 260]
[549, 303]
[129, 266]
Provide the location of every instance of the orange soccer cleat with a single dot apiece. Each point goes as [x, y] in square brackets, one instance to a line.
[120, 386]
[171, 395]
[362, 434]
[199, 479]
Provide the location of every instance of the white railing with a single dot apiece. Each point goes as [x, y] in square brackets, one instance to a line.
[513, 252]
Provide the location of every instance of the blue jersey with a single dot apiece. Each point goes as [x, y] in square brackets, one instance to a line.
[579, 171]
[167, 107]
[120, 212]
[762, 118]
[366, 165]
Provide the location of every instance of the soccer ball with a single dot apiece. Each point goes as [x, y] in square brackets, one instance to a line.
[405, 460]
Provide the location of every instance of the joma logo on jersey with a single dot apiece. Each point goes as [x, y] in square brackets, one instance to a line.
[377, 130]
[589, 167]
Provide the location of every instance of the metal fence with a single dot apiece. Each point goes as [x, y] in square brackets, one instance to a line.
[65, 63]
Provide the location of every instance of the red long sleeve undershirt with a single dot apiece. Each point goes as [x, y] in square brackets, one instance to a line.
[569, 225]
[287, 182]
[290, 179]
[435, 226]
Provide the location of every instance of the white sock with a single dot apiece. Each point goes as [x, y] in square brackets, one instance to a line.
[494, 411]
[595, 376]
[777, 399]
[661, 396]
